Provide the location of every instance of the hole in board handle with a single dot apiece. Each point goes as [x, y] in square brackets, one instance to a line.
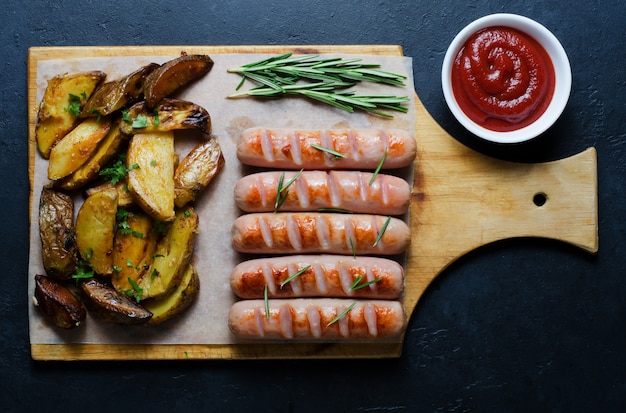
[540, 199]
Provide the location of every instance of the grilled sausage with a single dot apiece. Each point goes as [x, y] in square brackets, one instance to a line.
[295, 149]
[319, 276]
[317, 318]
[302, 232]
[314, 190]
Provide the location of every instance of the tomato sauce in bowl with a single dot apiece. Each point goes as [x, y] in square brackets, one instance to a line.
[506, 78]
[502, 79]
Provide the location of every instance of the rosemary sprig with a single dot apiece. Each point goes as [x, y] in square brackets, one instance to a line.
[282, 191]
[294, 276]
[356, 285]
[312, 67]
[378, 168]
[382, 231]
[322, 80]
[328, 150]
[342, 315]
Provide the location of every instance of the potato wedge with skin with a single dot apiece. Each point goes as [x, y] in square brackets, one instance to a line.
[57, 303]
[177, 302]
[133, 248]
[124, 197]
[173, 75]
[89, 171]
[71, 152]
[116, 94]
[172, 255]
[196, 171]
[57, 233]
[95, 230]
[54, 120]
[168, 115]
[151, 158]
[111, 306]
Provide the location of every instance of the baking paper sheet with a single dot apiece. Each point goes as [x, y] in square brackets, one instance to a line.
[206, 321]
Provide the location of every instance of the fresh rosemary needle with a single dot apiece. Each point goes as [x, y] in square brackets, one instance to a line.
[378, 168]
[382, 231]
[328, 150]
[295, 275]
[341, 315]
[282, 191]
[356, 285]
[267, 303]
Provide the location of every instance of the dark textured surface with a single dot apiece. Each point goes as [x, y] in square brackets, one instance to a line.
[522, 325]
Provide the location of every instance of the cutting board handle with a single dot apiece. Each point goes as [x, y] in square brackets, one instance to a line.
[463, 200]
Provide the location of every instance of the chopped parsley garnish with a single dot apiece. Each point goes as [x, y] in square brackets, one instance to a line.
[75, 103]
[123, 226]
[118, 171]
[136, 292]
[140, 122]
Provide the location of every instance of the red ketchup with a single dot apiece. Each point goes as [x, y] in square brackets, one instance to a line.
[502, 79]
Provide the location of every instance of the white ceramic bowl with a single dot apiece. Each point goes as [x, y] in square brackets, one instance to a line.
[562, 69]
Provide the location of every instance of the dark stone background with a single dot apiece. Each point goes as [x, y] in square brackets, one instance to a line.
[522, 325]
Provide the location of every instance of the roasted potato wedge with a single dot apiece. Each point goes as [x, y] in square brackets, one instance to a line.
[172, 256]
[124, 197]
[177, 302]
[173, 75]
[57, 303]
[117, 94]
[151, 158]
[196, 171]
[57, 233]
[168, 115]
[71, 152]
[58, 110]
[111, 306]
[133, 249]
[89, 171]
[95, 229]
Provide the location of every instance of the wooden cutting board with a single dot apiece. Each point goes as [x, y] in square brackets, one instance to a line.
[461, 200]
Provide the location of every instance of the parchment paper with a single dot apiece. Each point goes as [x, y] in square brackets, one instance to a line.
[206, 321]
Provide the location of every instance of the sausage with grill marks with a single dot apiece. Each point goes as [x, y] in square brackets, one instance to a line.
[317, 318]
[354, 191]
[305, 232]
[319, 276]
[296, 148]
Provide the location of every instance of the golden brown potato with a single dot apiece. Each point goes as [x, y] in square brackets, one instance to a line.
[173, 75]
[196, 171]
[168, 115]
[150, 159]
[133, 248]
[95, 229]
[106, 150]
[71, 152]
[116, 94]
[172, 256]
[60, 106]
[57, 233]
[124, 198]
[57, 303]
[111, 306]
[177, 302]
